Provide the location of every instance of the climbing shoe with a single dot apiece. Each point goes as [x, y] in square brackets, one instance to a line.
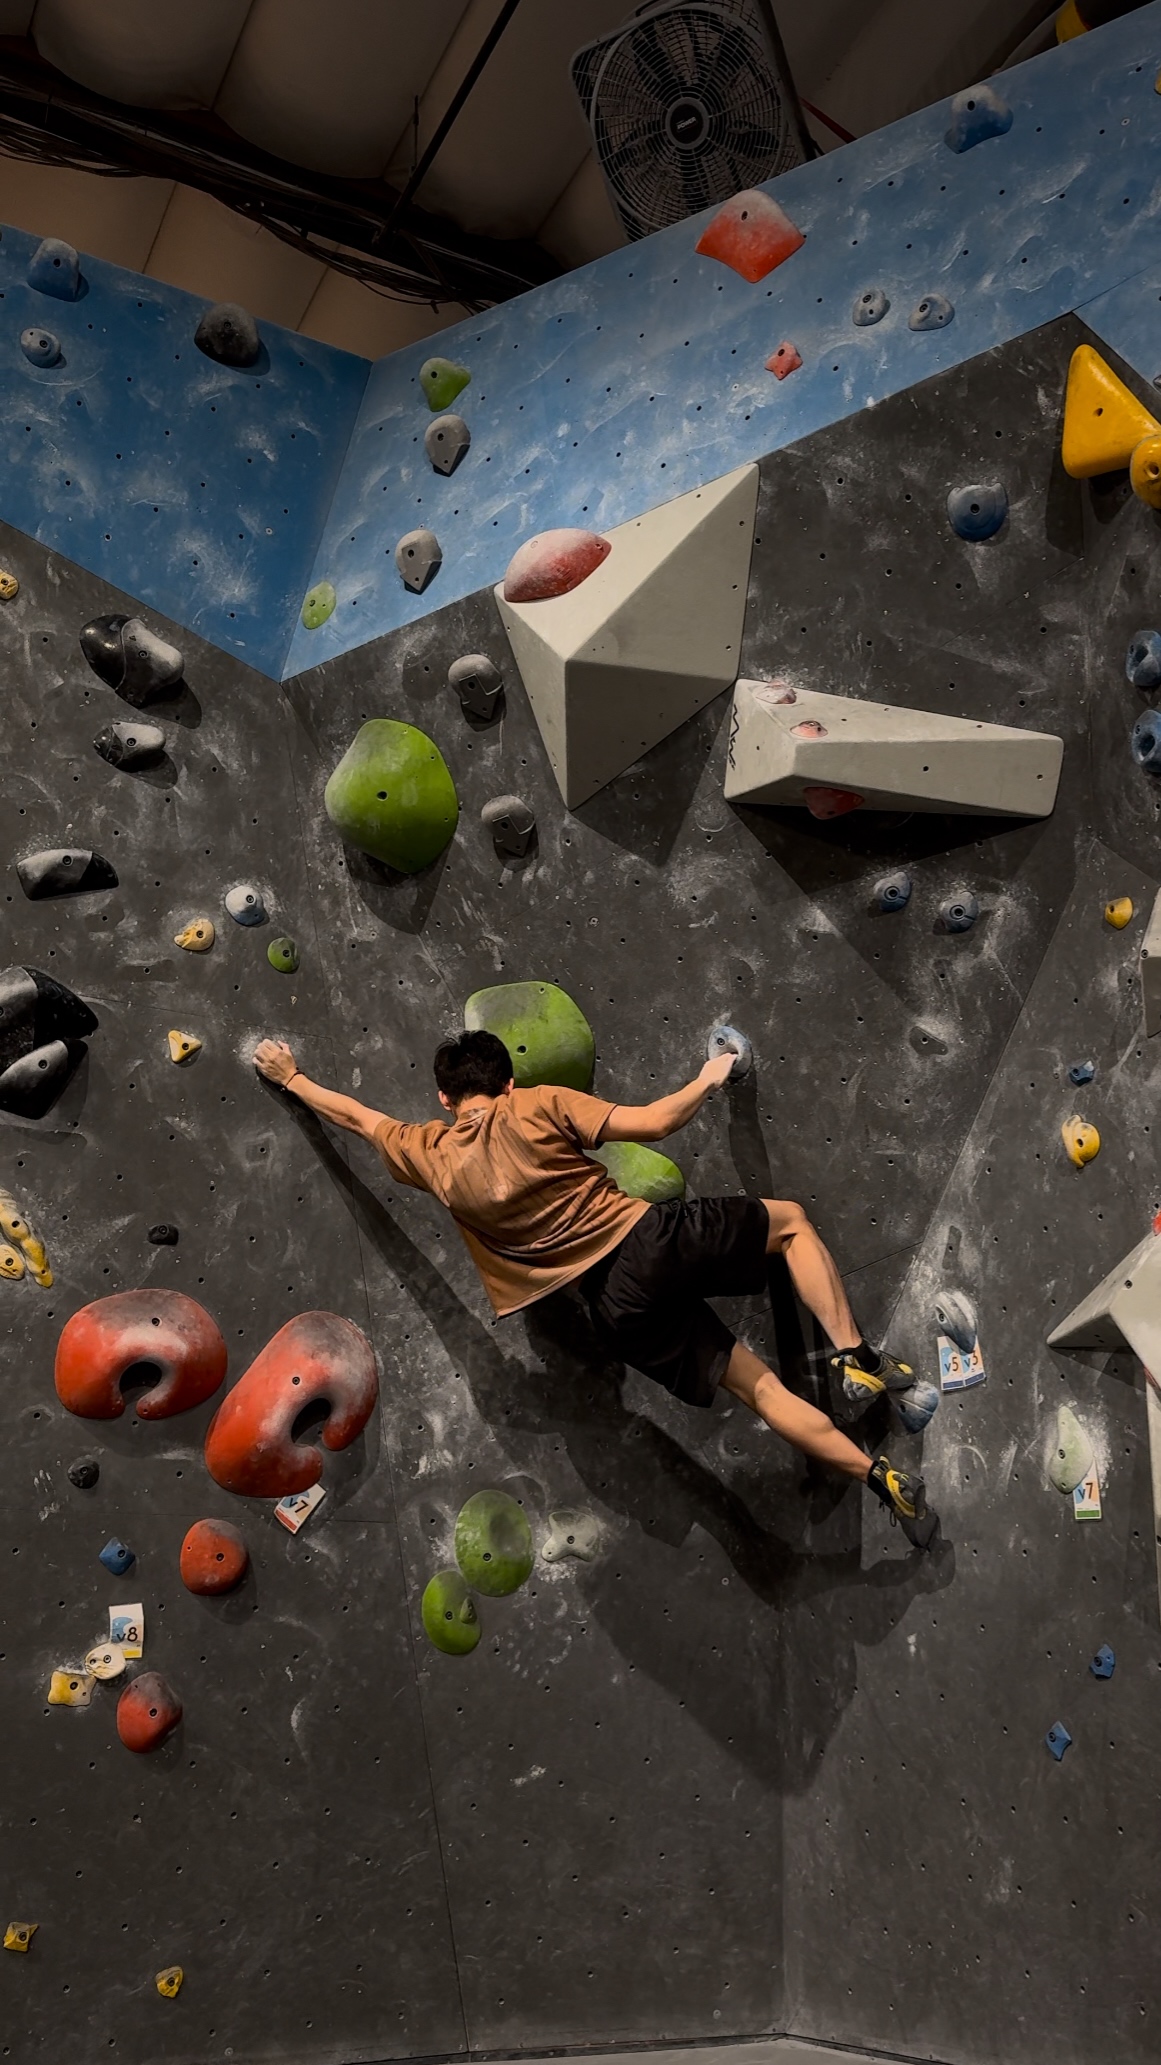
[905, 1498]
[860, 1386]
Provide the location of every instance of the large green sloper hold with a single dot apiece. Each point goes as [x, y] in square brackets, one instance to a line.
[547, 1035]
[449, 1614]
[641, 1171]
[494, 1543]
[391, 796]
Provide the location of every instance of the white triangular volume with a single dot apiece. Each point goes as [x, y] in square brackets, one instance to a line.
[648, 639]
[1123, 1311]
[893, 759]
[1151, 969]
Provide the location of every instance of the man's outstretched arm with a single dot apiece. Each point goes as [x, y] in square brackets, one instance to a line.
[667, 1114]
[274, 1060]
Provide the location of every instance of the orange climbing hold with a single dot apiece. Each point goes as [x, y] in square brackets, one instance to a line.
[822, 802]
[786, 359]
[214, 1557]
[1103, 422]
[752, 234]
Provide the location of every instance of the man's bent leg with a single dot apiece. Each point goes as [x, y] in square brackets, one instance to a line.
[801, 1424]
[813, 1270]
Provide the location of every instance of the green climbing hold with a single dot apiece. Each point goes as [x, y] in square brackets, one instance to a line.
[493, 1543]
[441, 381]
[391, 796]
[283, 955]
[547, 1035]
[449, 1614]
[318, 605]
[641, 1172]
[1071, 1458]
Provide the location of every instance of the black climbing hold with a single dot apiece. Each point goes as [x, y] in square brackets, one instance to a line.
[478, 684]
[893, 892]
[934, 312]
[163, 1235]
[726, 1039]
[228, 333]
[1143, 660]
[130, 658]
[130, 745]
[36, 1009]
[40, 347]
[1082, 1072]
[419, 559]
[84, 1473]
[870, 307]
[55, 269]
[977, 113]
[512, 825]
[30, 1087]
[1146, 741]
[959, 913]
[65, 871]
[977, 512]
[445, 441]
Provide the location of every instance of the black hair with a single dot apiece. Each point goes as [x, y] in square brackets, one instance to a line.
[475, 1064]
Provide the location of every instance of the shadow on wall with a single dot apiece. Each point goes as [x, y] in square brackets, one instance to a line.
[635, 1468]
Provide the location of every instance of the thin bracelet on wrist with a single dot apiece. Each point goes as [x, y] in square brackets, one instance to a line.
[290, 1078]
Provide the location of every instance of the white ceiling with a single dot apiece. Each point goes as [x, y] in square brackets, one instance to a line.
[332, 85]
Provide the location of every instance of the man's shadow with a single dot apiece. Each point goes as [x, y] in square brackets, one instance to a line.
[734, 1669]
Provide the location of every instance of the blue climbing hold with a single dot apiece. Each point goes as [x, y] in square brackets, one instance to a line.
[959, 913]
[977, 512]
[1104, 1663]
[955, 1316]
[1146, 741]
[55, 269]
[893, 892]
[934, 312]
[1058, 1739]
[726, 1039]
[40, 347]
[1081, 1071]
[870, 307]
[976, 114]
[117, 1557]
[916, 1405]
[1143, 660]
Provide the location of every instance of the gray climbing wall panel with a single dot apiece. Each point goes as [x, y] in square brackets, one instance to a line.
[580, 1834]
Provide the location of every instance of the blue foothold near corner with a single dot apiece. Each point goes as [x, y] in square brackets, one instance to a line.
[933, 312]
[1104, 1662]
[976, 513]
[1082, 1071]
[893, 892]
[976, 114]
[1143, 660]
[869, 307]
[726, 1039]
[917, 1405]
[40, 347]
[1146, 741]
[55, 269]
[1057, 1739]
[117, 1557]
[959, 913]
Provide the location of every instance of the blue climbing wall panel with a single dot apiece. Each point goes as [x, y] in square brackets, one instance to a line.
[607, 392]
[199, 488]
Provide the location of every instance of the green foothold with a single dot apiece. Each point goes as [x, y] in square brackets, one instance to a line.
[1072, 1456]
[391, 796]
[547, 1035]
[283, 955]
[494, 1543]
[640, 1172]
[319, 605]
[449, 1614]
[441, 381]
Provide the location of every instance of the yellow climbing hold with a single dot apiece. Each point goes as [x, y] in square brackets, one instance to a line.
[183, 1046]
[37, 1260]
[1119, 911]
[1070, 22]
[13, 1224]
[197, 937]
[11, 1264]
[18, 1935]
[16, 1229]
[1081, 1141]
[1145, 470]
[9, 587]
[1103, 422]
[168, 1982]
[70, 1688]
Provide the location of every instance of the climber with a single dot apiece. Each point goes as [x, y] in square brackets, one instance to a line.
[536, 1212]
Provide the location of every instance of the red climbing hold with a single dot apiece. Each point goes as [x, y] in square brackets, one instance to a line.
[831, 802]
[163, 1330]
[553, 563]
[752, 234]
[317, 1358]
[786, 359]
[147, 1712]
[214, 1557]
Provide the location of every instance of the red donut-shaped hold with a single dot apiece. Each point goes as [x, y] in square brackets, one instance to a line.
[147, 1711]
[104, 1340]
[214, 1557]
[553, 563]
[316, 1358]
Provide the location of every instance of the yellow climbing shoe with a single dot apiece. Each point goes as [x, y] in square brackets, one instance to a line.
[860, 1386]
[905, 1498]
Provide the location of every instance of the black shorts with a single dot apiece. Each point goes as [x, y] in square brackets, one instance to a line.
[646, 1298]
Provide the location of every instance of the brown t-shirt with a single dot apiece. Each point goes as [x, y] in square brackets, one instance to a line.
[534, 1211]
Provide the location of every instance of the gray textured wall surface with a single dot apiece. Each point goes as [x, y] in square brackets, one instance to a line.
[756, 1767]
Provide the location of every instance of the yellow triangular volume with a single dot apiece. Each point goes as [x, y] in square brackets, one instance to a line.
[1103, 422]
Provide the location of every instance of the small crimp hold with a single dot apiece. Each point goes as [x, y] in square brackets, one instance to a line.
[168, 1982]
[1057, 1739]
[117, 1557]
[183, 1046]
[18, 1935]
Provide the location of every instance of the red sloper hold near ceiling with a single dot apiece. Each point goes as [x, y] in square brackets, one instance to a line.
[831, 802]
[553, 563]
[147, 1711]
[752, 234]
[214, 1557]
[317, 1357]
[103, 1340]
